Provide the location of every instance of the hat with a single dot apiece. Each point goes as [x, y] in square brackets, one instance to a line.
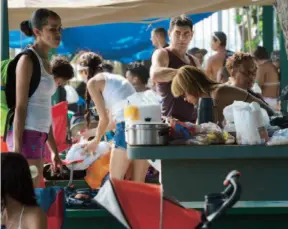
[221, 37]
[195, 50]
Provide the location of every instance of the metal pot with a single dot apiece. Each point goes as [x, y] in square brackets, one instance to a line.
[147, 134]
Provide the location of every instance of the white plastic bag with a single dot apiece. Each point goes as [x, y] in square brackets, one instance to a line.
[249, 123]
[280, 137]
[71, 94]
[148, 97]
[76, 154]
[156, 164]
[34, 171]
[229, 127]
[229, 117]
[228, 114]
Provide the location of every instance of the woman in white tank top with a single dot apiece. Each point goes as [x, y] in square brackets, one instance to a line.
[108, 92]
[32, 120]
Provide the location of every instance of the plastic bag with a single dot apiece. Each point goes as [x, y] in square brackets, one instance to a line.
[71, 94]
[249, 123]
[230, 128]
[156, 164]
[148, 97]
[280, 137]
[182, 130]
[83, 161]
[97, 171]
[212, 137]
[210, 126]
[229, 116]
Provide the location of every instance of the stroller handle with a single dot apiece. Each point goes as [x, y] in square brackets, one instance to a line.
[231, 195]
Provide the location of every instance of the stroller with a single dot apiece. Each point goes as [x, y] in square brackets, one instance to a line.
[143, 206]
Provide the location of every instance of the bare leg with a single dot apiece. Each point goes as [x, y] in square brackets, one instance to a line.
[140, 168]
[39, 164]
[119, 163]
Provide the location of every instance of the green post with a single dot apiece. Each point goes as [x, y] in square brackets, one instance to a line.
[4, 30]
[268, 32]
[284, 70]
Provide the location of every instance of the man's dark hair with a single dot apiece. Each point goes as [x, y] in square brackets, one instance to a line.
[160, 31]
[221, 37]
[61, 68]
[261, 53]
[107, 68]
[140, 71]
[181, 21]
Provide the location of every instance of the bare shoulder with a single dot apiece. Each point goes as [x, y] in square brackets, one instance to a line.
[160, 57]
[97, 81]
[212, 58]
[34, 218]
[25, 62]
[34, 211]
[160, 53]
[25, 59]
[225, 89]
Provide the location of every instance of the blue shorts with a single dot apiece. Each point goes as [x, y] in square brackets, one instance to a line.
[119, 137]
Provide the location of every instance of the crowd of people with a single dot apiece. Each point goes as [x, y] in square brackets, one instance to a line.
[176, 74]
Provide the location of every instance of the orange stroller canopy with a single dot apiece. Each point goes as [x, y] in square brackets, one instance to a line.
[141, 206]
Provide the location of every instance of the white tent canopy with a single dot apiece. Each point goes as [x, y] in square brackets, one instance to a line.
[92, 12]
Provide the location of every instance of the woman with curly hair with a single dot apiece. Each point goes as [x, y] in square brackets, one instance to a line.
[242, 68]
[193, 84]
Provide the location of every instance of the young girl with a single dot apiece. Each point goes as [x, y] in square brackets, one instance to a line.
[33, 118]
[108, 92]
[18, 202]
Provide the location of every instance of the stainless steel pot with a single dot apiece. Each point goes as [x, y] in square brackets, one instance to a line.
[147, 134]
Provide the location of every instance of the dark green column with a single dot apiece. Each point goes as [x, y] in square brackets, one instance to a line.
[284, 70]
[268, 31]
[4, 30]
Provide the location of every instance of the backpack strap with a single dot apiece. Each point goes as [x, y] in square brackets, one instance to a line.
[10, 89]
[36, 74]
[11, 77]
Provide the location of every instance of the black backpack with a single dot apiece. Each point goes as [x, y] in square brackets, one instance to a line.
[10, 87]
